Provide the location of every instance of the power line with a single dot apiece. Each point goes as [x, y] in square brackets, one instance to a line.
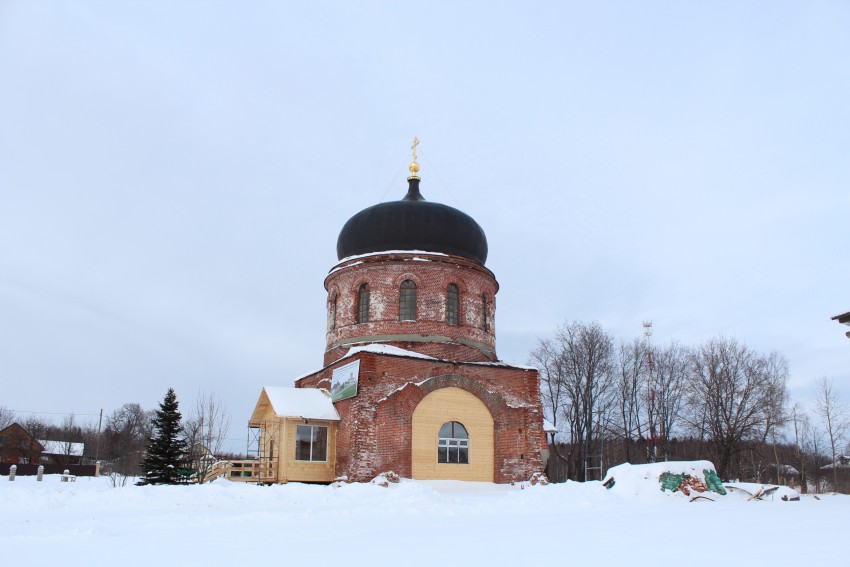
[54, 412]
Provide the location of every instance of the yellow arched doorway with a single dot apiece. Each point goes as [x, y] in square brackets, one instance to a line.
[448, 405]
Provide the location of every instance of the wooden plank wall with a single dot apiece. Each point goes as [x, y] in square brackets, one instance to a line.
[453, 404]
[304, 471]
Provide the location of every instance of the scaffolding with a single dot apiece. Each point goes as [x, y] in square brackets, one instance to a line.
[265, 436]
[252, 449]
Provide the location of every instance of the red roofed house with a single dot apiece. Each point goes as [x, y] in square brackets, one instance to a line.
[17, 446]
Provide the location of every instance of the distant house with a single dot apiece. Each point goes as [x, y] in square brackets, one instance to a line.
[843, 319]
[17, 446]
[843, 462]
[837, 473]
[61, 452]
[784, 474]
[201, 458]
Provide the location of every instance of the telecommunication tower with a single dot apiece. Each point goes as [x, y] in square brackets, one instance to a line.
[651, 401]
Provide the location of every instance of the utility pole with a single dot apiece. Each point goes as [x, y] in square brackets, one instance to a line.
[97, 445]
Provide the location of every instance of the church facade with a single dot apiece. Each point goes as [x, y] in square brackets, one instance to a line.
[411, 377]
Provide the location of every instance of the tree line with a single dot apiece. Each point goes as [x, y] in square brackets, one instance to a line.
[121, 442]
[633, 401]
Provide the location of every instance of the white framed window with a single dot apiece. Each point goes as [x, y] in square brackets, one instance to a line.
[453, 444]
[311, 443]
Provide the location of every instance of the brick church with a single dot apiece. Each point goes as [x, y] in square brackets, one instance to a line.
[411, 381]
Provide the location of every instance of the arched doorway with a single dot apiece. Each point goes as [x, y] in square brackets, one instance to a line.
[457, 423]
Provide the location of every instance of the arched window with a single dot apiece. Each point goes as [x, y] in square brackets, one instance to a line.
[407, 301]
[452, 304]
[363, 304]
[453, 445]
[485, 323]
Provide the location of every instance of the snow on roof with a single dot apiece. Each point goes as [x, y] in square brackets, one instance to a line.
[548, 427]
[386, 349]
[340, 266]
[504, 364]
[62, 448]
[308, 403]
[788, 469]
[842, 462]
[396, 351]
[380, 348]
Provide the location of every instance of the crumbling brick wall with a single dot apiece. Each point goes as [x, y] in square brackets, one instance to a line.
[473, 339]
[375, 431]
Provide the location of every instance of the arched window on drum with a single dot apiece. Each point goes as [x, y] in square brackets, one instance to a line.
[452, 304]
[363, 304]
[407, 301]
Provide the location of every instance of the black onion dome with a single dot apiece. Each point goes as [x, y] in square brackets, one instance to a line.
[412, 224]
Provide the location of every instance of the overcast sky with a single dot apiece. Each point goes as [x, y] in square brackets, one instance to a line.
[174, 175]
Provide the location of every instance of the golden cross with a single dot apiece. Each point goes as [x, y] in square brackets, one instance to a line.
[413, 147]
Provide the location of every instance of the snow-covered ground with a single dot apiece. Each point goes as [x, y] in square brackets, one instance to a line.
[411, 523]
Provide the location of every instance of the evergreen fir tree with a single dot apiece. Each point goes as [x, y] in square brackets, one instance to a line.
[166, 452]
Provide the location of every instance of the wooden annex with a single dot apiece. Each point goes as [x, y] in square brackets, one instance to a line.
[297, 435]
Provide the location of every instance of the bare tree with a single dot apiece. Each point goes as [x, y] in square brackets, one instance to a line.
[585, 352]
[665, 394]
[631, 370]
[550, 364]
[833, 414]
[67, 434]
[576, 375]
[805, 443]
[733, 389]
[776, 414]
[125, 437]
[36, 426]
[206, 430]
[7, 417]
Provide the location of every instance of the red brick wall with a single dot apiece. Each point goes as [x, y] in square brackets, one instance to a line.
[17, 445]
[467, 341]
[375, 431]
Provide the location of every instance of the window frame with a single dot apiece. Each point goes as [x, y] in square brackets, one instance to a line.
[453, 304]
[363, 306]
[407, 299]
[459, 445]
[314, 440]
